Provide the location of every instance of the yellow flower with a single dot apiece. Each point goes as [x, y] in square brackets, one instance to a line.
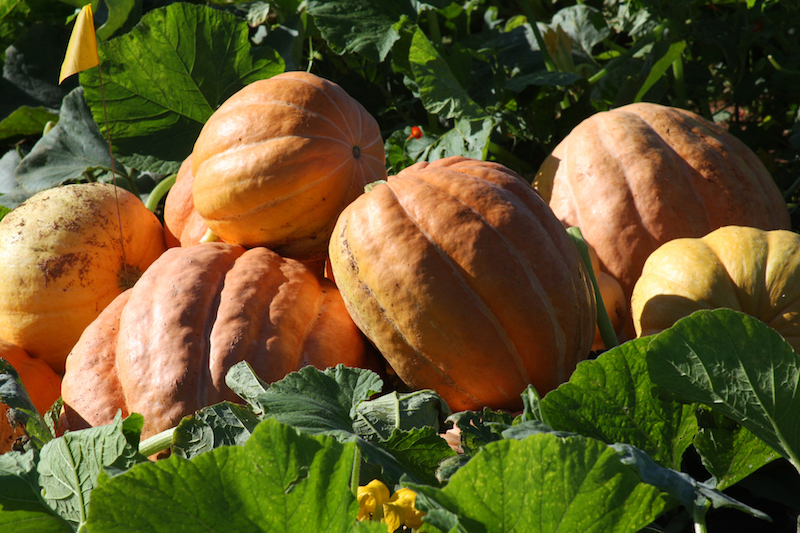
[371, 499]
[400, 510]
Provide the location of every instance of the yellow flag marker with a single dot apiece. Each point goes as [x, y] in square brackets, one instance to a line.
[82, 47]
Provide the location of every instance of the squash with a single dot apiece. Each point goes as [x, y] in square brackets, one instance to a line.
[42, 384]
[745, 269]
[638, 176]
[183, 225]
[465, 281]
[162, 348]
[278, 161]
[63, 263]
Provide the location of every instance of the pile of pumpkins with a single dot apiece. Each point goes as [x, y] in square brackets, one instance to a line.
[286, 244]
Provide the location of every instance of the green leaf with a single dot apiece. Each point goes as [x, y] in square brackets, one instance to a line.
[660, 67]
[70, 466]
[73, 147]
[738, 366]
[379, 418]
[26, 120]
[222, 424]
[165, 77]
[122, 15]
[584, 25]
[21, 408]
[22, 509]
[439, 89]
[280, 481]
[611, 399]
[543, 483]
[367, 27]
[560, 79]
[468, 138]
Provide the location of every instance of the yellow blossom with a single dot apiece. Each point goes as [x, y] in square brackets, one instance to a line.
[371, 499]
[400, 510]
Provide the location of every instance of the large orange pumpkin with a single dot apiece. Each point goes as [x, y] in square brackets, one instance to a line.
[162, 348]
[466, 282]
[42, 384]
[278, 161]
[63, 262]
[183, 225]
[638, 176]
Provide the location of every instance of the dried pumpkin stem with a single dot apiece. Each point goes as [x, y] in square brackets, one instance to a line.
[603, 321]
[156, 443]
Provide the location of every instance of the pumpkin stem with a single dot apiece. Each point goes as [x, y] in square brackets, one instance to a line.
[209, 236]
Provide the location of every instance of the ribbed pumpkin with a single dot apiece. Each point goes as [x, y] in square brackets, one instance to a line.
[63, 263]
[638, 176]
[163, 348]
[465, 282]
[746, 269]
[278, 161]
[42, 384]
[183, 225]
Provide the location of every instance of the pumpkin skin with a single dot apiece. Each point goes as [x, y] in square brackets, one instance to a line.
[163, 348]
[63, 263]
[461, 276]
[43, 386]
[278, 161]
[638, 176]
[183, 225]
[745, 269]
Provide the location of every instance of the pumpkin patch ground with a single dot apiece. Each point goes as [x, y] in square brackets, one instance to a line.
[361, 266]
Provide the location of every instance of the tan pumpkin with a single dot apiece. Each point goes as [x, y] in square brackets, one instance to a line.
[465, 282]
[183, 225]
[162, 348]
[746, 269]
[41, 383]
[638, 176]
[278, 161]
[63, 263]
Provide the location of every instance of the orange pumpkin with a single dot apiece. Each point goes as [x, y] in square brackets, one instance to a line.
[638, 176]
[278, 161]
[183, 225]
[163, 348]
[465, 281]
[42, 384]
[63, 263]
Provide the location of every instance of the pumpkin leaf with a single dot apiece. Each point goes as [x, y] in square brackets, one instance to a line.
[611, 399]
[729, 451]
[22, 509]
[281, 480]
[222, 424]
[439, 90]
[26, 120]
[70, 466]
[21, 408]
[165, 77]
[369, 28]
[73, 147]
[543, 483]
[379, 418]
[738, 366]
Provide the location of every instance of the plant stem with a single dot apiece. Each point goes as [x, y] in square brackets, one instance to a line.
[548, 60]
[680, 83]
[156, 443]
[509, 159]
[159, 191]
[603, 321]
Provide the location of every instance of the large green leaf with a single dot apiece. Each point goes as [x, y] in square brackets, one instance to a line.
[543, 483]
[165, 78]
[439, 89]
[26, 120]
[611, 399]
[367, 27]
[738, 366]
[281, 480]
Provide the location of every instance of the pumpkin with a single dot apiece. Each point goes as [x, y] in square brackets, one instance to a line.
[465, 281]
[638, 176]
[63, 263]
[42, 384]
[162, 348]
[745, 269]
[183, 225]
[278, 161]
